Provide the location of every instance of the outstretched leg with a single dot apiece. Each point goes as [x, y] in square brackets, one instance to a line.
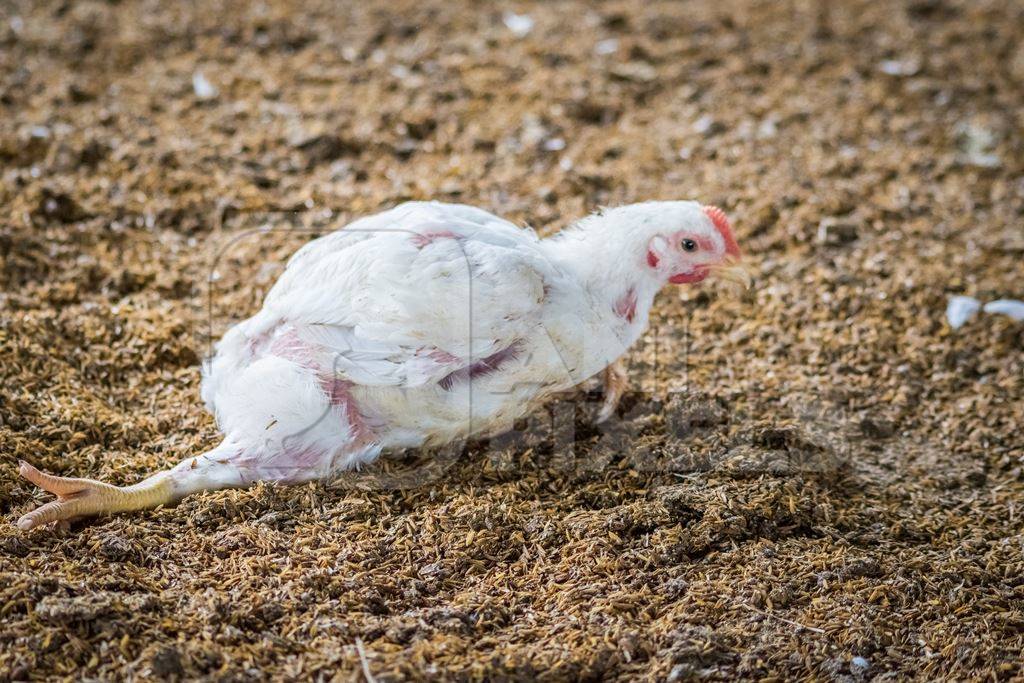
[616, 381]
[87, 497]
[226, 466]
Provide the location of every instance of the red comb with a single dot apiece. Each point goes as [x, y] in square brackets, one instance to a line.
[717, 217]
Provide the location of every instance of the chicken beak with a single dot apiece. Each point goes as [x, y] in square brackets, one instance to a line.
[733, 271]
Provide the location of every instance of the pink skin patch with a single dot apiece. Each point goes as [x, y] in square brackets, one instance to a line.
[699, 272]
[293, 464]
[338, 394]
[424, 238]
[625, 307]
[258, 344]
[290, 347]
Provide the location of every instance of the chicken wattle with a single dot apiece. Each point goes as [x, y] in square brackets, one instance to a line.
[416, 327]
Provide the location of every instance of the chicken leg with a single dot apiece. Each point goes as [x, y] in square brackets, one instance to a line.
[225, 466]
[78, 498]
[616, 381]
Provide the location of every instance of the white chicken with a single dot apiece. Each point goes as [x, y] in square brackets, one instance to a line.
[416, 327]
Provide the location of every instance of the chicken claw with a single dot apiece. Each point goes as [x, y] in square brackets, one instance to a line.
[616, 381]
[85, 497]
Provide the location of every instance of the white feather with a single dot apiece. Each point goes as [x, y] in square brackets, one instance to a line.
[960, 309]
[1010, 307]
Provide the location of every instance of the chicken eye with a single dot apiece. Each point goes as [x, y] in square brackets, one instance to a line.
[689, 245]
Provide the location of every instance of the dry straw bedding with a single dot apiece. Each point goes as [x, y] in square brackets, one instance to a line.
[816, 479]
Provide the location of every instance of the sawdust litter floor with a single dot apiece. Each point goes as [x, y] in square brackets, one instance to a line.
[814, 479]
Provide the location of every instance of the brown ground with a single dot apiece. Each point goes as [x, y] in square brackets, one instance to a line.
[833, 456]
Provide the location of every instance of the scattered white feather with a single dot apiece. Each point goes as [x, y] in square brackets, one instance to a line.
[899, 67]
[978, 145]
[554, 144]
[519, 24]
[203, 89]
[960, 309]
[858, 665]
[704, 125]
[767, 128]
[1010, 307]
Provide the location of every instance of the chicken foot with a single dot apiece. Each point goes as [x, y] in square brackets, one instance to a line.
[616, 381]
[85, 497]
